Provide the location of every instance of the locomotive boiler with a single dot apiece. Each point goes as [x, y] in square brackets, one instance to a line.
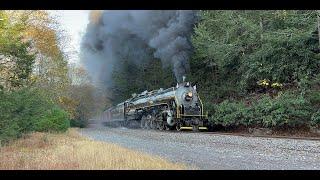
[178, 107]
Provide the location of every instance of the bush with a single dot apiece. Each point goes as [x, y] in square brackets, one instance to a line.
[53, 120]
[81, 117]
[315, 119]
[287, 109]
[9, 126]
[9, 131]
[228, 113]
[81, 123]
[314, 97]
[28, 110]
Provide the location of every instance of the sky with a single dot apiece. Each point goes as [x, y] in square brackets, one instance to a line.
[74, 23]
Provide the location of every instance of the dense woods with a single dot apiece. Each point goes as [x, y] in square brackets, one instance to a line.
[253, 68]
[263, 67]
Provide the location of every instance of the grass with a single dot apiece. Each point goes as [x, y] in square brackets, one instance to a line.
[73, 151]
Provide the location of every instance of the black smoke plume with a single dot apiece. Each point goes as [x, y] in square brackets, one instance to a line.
[138, 36]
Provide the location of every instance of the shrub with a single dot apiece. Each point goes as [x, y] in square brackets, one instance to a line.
[28, 105]
[28, 110]
[9, 131]
[228, 113]
[81, 116]
[9, 127]
[287, 109]
[314, 97]
[315, 119]
[81, 123]
[53, 120]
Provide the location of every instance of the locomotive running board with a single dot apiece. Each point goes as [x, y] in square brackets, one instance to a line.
[191, 128]
[183, 128]
[203, 128]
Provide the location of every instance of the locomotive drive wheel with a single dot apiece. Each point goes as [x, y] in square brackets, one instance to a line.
[161, 126]
[143, 122]
[153, 124]
[147, 124]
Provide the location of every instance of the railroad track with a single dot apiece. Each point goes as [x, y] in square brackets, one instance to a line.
[238, 134]
[251, 135]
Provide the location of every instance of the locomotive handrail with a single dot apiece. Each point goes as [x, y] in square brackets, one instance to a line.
[151, 93]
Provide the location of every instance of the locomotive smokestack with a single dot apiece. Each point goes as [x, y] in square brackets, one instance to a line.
[183, 78]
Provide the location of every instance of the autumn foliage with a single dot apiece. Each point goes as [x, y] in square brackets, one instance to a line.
[36, 88]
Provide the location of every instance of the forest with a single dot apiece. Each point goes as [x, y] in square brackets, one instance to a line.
[252, 69]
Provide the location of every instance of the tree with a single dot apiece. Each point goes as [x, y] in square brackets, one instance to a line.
[234, 50]
[15, 58]
[84, 107]
[247, 46]
[50, 71]
[31, 56]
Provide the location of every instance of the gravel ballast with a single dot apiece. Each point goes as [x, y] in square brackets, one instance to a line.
[213, 151]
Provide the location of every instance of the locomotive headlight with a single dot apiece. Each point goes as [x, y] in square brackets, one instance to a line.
[188, 96]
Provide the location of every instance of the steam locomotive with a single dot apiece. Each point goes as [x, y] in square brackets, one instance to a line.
[177, 108]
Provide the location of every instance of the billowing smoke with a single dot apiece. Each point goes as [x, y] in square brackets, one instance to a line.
[138, 36]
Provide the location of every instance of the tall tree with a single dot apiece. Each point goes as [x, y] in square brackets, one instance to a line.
[15, 58]
[50, 71]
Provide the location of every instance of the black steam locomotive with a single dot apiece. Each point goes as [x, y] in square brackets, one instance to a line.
[177, 108]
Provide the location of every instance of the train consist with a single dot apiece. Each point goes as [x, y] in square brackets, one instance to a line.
[177, 108]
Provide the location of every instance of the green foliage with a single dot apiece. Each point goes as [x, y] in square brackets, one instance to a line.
[33, 75]
[9, 130]
[315, 119]
[81, 123]
[27, 110]
[229, 113]
[259, 53]
[238, 48]
[16, 50]
[286, 109]
[81, 116]
[53, 120]
[314, 97]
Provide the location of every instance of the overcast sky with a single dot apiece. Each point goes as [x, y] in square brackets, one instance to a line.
[74, 23]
